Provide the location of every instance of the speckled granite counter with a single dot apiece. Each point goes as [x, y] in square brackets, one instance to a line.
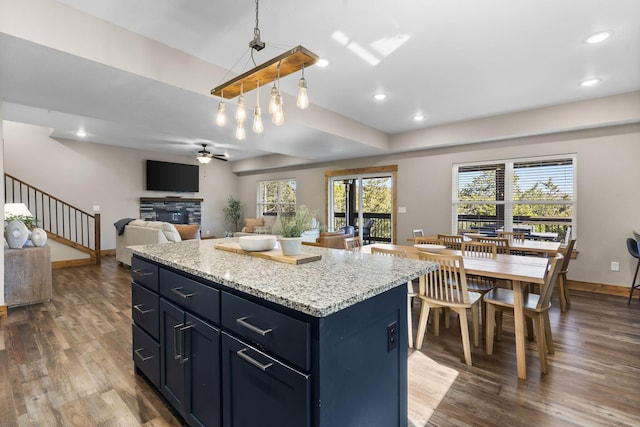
[339, 280]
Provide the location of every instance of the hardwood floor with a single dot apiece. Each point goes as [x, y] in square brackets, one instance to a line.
[68, 363]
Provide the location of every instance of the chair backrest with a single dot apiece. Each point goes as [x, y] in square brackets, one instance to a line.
[463, 231]
[512, 235]
[553, 269]
[451, 241]
[437, 284]
[428, 240]
[389, 252]
[352, 243]
[418, 232]
[566, 251]
[632, 247]
[502, 244]
[479, 249]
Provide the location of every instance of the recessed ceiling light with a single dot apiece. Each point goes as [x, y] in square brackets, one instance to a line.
[599, 37]
[380, 96]
[322, 63]
[418, 117]
[590, 82]
[81, 133]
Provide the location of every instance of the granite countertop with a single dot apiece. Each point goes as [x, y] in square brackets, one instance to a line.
[340, 279]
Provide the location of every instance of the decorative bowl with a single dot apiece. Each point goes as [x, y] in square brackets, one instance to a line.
[434, 249]
[263, 242]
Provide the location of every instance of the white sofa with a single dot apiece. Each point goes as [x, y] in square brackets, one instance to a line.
[139, 232]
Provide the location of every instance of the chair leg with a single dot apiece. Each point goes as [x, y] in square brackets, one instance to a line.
[542, 346]
[422, 324]
[530, 332]
[464, 331]
[562, 292]
[633, 284]
[490, 317]
[475, 324]
[567, 294]
[547, 332]
[498, 325]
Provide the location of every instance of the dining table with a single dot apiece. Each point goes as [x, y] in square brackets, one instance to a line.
[514, 268]
[538, 247]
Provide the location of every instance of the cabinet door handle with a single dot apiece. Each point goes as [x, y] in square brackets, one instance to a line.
[137, 307]
[243, 322]
[141, 272]
[182, 294]
[241, 354]
[176, 330]
[138, 353]
[183, 359]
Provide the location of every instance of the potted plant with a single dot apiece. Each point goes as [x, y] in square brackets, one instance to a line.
[292, 227]
[233, 212]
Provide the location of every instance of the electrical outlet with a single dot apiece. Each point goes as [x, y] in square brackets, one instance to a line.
[392, 336]
[96, 208]
[615, 266]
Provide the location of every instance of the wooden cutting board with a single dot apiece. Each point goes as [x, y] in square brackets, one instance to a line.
[274, 254]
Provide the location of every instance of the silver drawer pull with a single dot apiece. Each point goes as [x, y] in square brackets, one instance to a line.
[176, 350]
[241, 354]
[138, 353]
[182, 294]
[141, 311]
[141, 272]
[242, 322]
[183, 359]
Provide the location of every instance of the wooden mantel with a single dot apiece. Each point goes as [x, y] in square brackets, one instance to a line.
[169, 199]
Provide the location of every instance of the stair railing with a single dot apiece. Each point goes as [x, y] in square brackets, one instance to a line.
[62, 221]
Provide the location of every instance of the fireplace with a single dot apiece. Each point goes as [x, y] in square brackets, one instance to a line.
[175, 210]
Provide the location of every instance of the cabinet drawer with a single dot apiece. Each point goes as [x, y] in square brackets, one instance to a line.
[146, 355]
[144, 273]
[145, 310]
[196, 297]
[278, 333]
[258, 390]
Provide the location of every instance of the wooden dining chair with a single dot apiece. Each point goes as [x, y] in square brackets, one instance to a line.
[451, 241]
[352, 243]
[502, 244]
[436, 291]
[535, 308]
[411, 292]
[479, 249]
[418, 232]
[429, 240]
[563, 288]
[512, 236]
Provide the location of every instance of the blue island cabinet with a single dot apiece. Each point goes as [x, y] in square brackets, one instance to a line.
[233, 359]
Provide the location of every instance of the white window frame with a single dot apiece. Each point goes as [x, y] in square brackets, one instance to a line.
[260, 203]
[508, 201]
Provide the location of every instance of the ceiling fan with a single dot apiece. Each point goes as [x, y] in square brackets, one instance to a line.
[204, 156]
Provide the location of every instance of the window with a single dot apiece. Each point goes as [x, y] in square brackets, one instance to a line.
[276, 197]
[536, 196]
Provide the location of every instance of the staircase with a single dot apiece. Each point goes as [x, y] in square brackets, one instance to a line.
[63, 222]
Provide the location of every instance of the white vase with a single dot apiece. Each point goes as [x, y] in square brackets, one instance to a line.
[291, 245]
[16, 234]
[38, 237]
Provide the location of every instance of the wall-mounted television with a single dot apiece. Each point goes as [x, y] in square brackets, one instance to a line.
[178, 177]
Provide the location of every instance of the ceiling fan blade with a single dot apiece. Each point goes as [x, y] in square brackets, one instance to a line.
[220, 157]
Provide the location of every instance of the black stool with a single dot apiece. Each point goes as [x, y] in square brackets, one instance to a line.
[632, 246]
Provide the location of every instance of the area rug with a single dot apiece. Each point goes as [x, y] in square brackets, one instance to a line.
[429, 382]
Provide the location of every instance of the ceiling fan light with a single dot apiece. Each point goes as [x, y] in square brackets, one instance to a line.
[203, 159]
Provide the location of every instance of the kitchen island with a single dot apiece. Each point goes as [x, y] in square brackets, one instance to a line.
[234, 340]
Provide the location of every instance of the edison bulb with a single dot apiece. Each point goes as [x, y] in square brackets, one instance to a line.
[241, 112]
[272, 101]
[221, 118]
[240, 132]
[303, 97]
[258, 127]
[278, 115]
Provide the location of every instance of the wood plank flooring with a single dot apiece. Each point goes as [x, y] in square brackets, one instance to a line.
[68, 363]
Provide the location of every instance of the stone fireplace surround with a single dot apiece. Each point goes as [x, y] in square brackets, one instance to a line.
[176, 210]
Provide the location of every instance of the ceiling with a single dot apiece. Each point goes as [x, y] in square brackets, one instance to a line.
[450, 60]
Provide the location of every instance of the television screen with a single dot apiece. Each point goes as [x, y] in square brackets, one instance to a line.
[166, 176]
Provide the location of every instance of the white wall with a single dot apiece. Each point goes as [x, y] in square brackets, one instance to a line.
[85, 174]
[608, 205]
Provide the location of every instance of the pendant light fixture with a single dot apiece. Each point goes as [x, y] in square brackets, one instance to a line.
[258, 127]
[291, 61]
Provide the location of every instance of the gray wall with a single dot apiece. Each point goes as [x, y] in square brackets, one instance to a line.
[607, 172]
[85, 175]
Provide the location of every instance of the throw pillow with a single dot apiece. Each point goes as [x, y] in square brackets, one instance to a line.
[188, 231]
[253, 222]
[170, 231]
